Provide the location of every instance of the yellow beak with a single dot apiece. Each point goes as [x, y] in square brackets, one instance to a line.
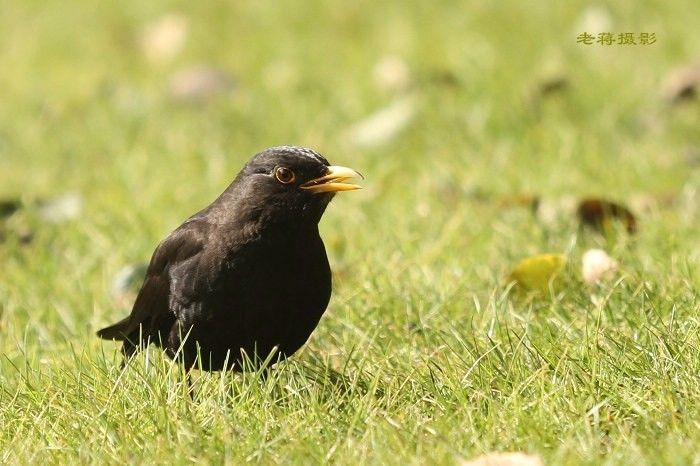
[333, 181]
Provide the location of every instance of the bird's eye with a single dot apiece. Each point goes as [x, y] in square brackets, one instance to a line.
[284, 175]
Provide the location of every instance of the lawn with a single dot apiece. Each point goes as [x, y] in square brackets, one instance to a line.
[460, 115]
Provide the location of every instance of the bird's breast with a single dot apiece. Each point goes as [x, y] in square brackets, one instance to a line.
[275, 285]
[268, 298]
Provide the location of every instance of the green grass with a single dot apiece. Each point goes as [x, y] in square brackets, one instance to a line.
[423, 356]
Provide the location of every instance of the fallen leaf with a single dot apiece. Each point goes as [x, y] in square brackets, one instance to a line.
[596, 265]
[446, 78]
[529, 201]
[503, 459]
[550, 81]
[25, 236]
[537, 272]
[60, 209]
[391, 73]
[10, 225]
[594, 20]
[383, 125]
[9, 207]
[681, 83]
[163, 39]
[551, 78]
[552, 84]
[598, 213]
[199, 83]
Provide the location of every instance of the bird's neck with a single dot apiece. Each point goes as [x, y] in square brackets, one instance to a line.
[254, 219]
[248, 223]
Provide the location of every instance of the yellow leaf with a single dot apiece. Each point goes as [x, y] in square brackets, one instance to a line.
[536, 272]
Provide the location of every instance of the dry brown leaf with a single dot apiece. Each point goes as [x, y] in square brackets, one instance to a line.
[529, 201]
[9, 207]
[598, 213]
[551, 78]
[681, 83]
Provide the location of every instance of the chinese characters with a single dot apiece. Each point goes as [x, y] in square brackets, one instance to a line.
[622, 38]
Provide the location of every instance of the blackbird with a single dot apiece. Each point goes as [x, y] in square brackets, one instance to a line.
[245, 278]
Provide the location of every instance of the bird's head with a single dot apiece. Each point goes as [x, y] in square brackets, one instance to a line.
[292, 184]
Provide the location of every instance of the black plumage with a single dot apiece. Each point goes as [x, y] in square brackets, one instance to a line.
[246, 275]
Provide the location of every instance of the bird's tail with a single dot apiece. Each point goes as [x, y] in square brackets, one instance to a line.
[118, 331]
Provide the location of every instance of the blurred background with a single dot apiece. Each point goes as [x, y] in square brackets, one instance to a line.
[120, 119]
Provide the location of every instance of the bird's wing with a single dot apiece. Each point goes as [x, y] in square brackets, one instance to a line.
[155, 298]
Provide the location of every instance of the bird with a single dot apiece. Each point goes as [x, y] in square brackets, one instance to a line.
[245, 280]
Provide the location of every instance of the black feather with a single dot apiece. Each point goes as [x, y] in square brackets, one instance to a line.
[246, 275]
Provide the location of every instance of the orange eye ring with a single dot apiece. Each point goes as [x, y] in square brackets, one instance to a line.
[284, 175]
